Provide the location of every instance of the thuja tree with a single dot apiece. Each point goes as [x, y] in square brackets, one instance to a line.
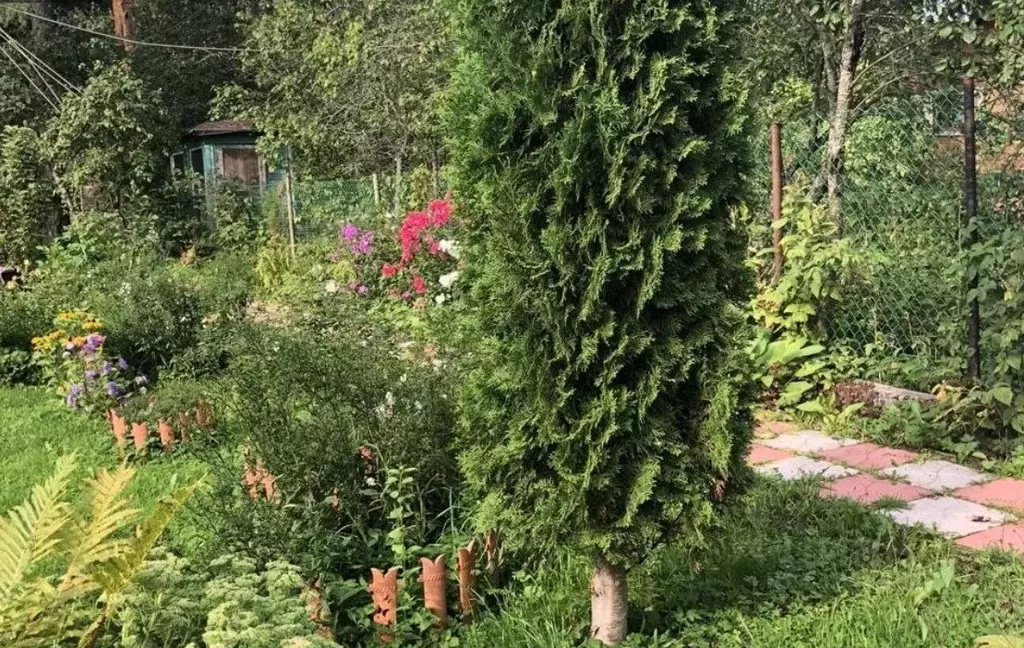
[597, 151]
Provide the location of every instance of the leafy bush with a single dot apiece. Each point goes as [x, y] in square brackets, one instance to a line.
[29, 209]
[331, 419]
[149, 315]
[17, 368]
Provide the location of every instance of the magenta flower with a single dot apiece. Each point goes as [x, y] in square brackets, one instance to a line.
[349, 232]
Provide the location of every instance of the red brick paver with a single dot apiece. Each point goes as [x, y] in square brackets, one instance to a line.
[1005, 493]
[1008, 537]
[868, 456]
[760, 454]
[868, 490]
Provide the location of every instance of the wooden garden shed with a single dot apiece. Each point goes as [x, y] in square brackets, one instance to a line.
[225, 151]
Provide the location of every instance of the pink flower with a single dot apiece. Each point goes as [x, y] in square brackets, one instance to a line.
[410, 231]
[440, 212]
[419, 285]
[389, 271]
[435, 248]
[349, 232]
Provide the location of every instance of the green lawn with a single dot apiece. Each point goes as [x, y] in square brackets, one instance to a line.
[36, 428]
[788, 570]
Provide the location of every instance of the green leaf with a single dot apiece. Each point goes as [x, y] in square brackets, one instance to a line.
[811, 407]
[1002, 393]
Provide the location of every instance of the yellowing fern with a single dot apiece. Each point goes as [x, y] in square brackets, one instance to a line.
[100, 558]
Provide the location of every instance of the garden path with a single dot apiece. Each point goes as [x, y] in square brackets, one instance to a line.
[976, 509]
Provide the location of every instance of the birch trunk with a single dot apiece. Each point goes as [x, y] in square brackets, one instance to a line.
[849, 58]
[608, 602]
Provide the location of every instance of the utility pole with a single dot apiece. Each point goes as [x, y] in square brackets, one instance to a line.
[123, 23]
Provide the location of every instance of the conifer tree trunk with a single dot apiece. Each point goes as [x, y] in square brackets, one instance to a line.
[608, 602]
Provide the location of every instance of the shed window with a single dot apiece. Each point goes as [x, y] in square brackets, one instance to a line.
[240, 165]
[197, 161]
[178, 163]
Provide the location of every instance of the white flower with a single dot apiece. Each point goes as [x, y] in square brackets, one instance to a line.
[331, 286]
[450, 247]
[440, 298]
[448, 279]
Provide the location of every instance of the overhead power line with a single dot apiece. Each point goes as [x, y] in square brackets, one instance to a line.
[195, 48]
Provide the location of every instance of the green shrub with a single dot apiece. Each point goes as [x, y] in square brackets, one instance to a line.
[29, 209]
[149, 316]
[334, 421]
[17, 368]
[600, 150]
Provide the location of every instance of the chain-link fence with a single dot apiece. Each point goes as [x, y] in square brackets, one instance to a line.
[901, 207]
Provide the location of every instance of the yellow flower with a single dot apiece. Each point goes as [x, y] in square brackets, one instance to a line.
[92, 325]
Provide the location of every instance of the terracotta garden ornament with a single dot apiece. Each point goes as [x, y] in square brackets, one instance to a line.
[140, 434]
[166, 433]
[467, 582]
[204, 416]
[185, 423]
[492, 552]
[119, 427]
[384, 590]
[269, 484]
[317, 609]
[433, 579]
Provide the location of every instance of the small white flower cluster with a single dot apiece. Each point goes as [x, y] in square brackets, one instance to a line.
[446, 281]
[450, 247]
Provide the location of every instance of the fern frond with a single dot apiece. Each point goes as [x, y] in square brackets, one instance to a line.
[115, 576]
[93, 542]
[32, 531]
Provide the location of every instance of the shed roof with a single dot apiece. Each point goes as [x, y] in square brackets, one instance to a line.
[222, 127]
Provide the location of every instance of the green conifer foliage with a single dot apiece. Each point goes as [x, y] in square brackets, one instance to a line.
[597, 152]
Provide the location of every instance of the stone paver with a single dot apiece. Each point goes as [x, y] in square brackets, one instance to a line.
[801, 467]
[760, 454]
[868, 489]
[807, 441]
[769, 429]
[868, 456]
[1008, 537]
[937, 475]
[1007, 493]
[949, 516]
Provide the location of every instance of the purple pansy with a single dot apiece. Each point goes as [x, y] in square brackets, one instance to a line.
[122, 364]
[91, 374]
[106, 368]
[113, 389]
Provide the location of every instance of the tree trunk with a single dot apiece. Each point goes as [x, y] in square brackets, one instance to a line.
[608, 602]
[123, 22]
[853, 42]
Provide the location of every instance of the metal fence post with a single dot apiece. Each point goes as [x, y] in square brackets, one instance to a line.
[776, 145]
[291, 207]
[970, 220]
